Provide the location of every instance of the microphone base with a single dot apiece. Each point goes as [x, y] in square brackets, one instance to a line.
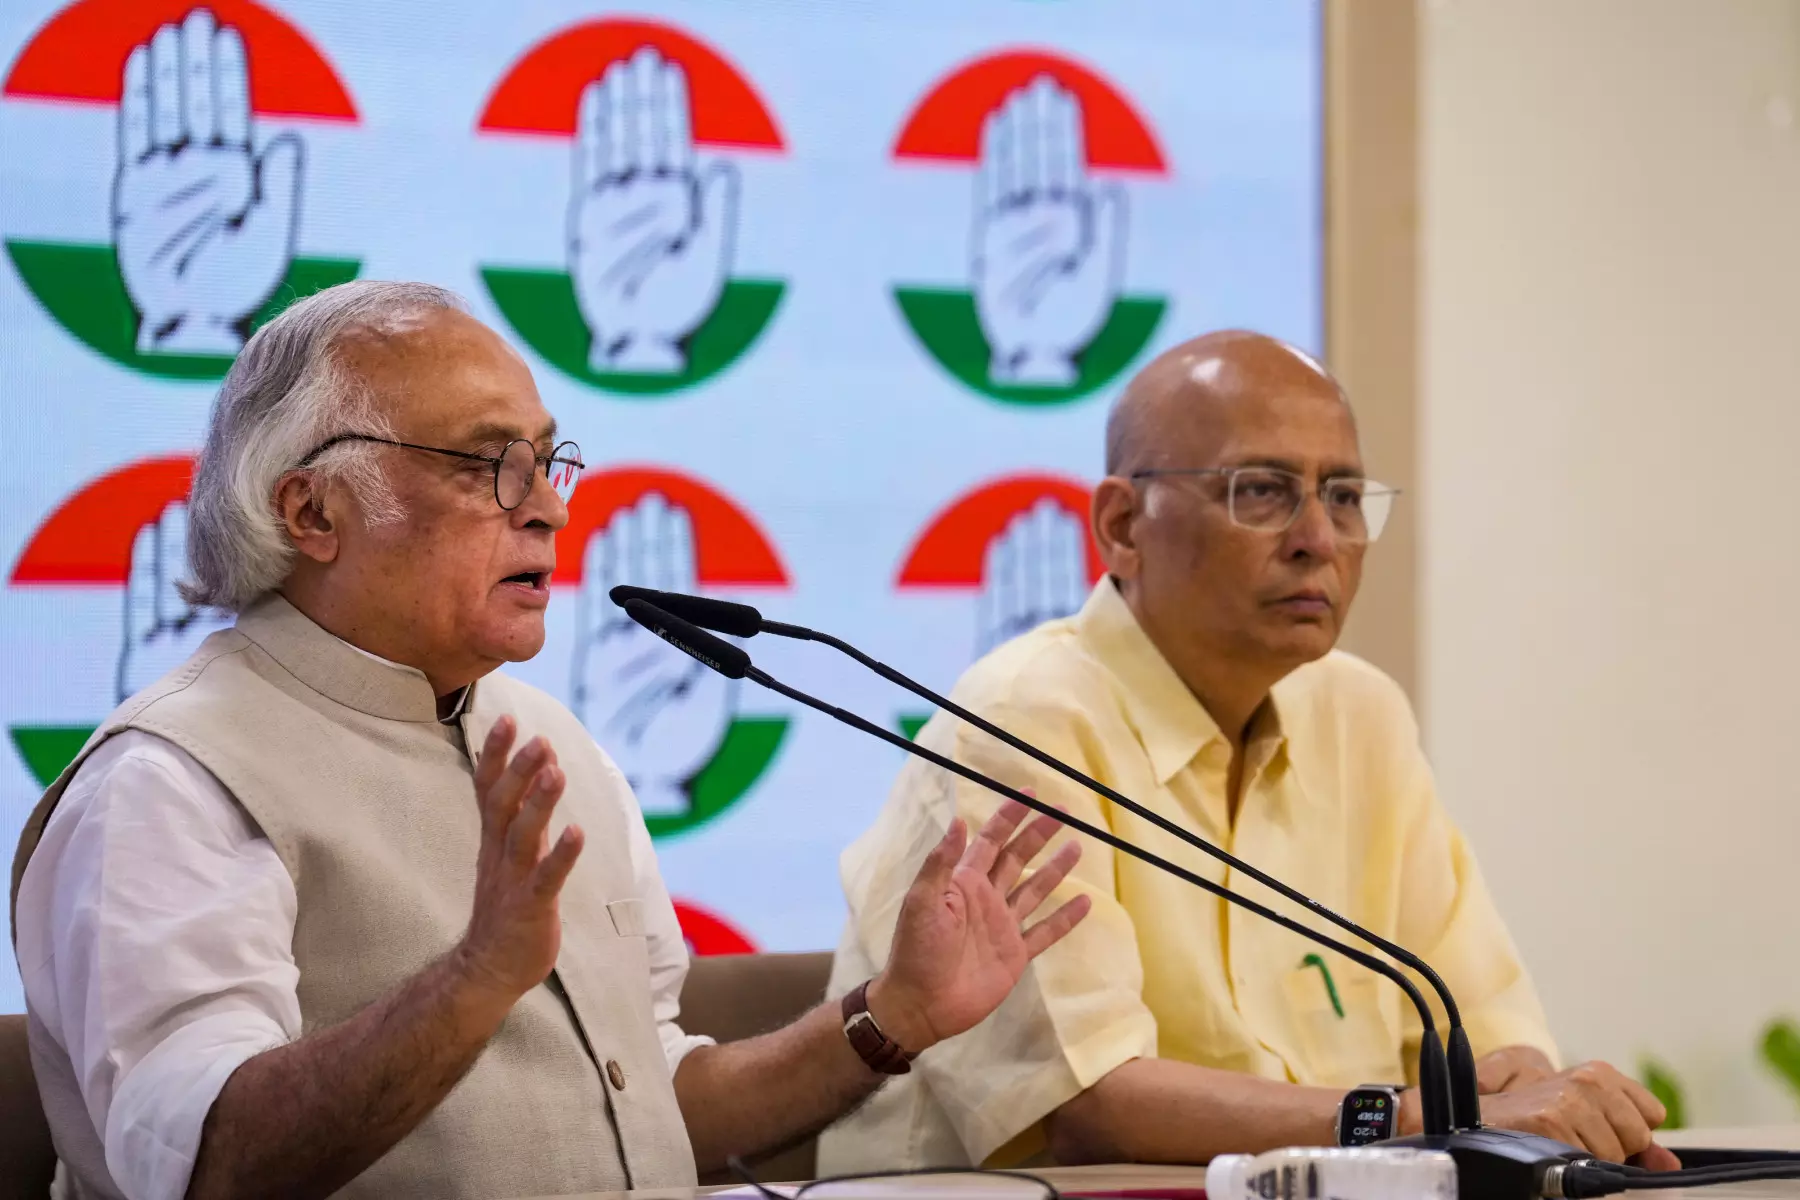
[1497, 1164]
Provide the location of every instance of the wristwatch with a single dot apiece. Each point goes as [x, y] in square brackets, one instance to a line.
[882, 1054]
[1368, 1115]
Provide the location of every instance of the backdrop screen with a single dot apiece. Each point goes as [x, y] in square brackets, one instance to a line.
[834, 295]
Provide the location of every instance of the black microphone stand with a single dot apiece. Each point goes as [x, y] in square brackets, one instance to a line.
[733, 662]
[1492, 1164]
[1458, 1102]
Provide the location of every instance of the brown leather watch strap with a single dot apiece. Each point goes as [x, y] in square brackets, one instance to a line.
[875, 1048]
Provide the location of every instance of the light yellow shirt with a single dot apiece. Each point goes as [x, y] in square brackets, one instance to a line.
[1337, 801]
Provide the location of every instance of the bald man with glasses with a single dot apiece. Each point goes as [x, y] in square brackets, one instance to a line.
[1200, 678]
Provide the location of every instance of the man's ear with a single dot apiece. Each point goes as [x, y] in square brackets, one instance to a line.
[310, 527]
[1114, 518]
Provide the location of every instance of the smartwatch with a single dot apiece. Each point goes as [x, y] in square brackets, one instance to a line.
[1368, 1115]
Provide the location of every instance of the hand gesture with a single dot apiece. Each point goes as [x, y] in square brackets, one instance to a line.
[161, 628]
[515, 930]
[649, 239]
[1035, 570]
[961, 945]
[203, 228]
[661, 716]
[1049, 245]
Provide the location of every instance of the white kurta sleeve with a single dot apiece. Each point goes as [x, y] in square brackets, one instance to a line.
[667, 947]
[155, 944]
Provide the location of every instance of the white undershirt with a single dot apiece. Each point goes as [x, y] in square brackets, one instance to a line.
[154, 936]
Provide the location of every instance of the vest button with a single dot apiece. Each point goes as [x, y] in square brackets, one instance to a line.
[616, 1073]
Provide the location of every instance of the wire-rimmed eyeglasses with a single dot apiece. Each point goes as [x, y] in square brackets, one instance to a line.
[937, 1183]
[1269, 499]
[515, 467]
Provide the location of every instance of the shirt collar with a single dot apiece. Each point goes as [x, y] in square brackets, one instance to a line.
[333, 667]
[1172, 724]
[456, 707]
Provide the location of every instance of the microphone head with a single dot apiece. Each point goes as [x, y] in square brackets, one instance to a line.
[625, 591]
[723, 616]
[715, 652]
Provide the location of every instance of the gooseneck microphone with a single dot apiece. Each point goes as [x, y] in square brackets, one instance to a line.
[1454, 1103]
[734, 662]
[1492, 1164]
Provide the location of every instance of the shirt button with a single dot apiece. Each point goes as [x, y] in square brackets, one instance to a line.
[616, 1073]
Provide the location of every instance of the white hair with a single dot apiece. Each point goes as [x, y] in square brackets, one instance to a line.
[288, 392]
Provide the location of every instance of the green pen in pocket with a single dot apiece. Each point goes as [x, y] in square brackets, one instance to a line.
[1314, 960]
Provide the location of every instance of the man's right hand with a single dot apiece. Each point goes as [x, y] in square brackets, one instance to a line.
[1593, 1107]
[515, 931]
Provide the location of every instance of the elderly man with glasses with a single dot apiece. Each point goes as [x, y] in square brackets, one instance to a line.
[335, 906]
[1200, 679]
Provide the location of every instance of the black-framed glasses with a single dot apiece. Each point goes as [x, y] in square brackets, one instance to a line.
[1269, 499]
[937, 1183]
[515, 467]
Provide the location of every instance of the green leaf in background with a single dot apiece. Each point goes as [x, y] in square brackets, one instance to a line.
[1662, 1084]
[1781, 1051]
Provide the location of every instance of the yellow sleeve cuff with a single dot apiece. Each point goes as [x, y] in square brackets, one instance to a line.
[1008, 1128]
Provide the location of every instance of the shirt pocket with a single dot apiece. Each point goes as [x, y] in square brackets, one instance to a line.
[1339, 1028]
[627, 917]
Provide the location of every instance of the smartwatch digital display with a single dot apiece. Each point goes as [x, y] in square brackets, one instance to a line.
[1368, 1115]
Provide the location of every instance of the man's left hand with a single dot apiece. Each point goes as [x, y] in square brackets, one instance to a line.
[961, 943]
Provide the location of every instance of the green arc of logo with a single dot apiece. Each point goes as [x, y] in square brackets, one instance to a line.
[82, 290]
[945, 322]
[540, 307]
[47, 749]
[750, 745]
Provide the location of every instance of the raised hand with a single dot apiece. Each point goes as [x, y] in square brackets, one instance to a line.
[203, 227]
[1049, 245]
[161, 628]
[515, 930]
[661, 716]
[1034, 570]
[961, 943]
[649, 238]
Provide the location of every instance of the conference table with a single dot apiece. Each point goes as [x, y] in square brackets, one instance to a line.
[1137, 1180]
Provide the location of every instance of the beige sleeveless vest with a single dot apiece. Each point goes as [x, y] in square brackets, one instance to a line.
[369, 802]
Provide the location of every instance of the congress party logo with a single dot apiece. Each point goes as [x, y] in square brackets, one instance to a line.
[706, 932]
[1045, 315]
[1019, 546]
[201, 216]
[644, 302]
[127, 530]
[670, 723]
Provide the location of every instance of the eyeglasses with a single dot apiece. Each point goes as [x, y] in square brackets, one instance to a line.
[1269, 499]
[931, 1183]
[515, 467]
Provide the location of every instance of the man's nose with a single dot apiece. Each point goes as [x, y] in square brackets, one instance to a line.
[543, 505]
[1312, 532]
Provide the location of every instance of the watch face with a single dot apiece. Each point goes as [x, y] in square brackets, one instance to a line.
[1368, 1116]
